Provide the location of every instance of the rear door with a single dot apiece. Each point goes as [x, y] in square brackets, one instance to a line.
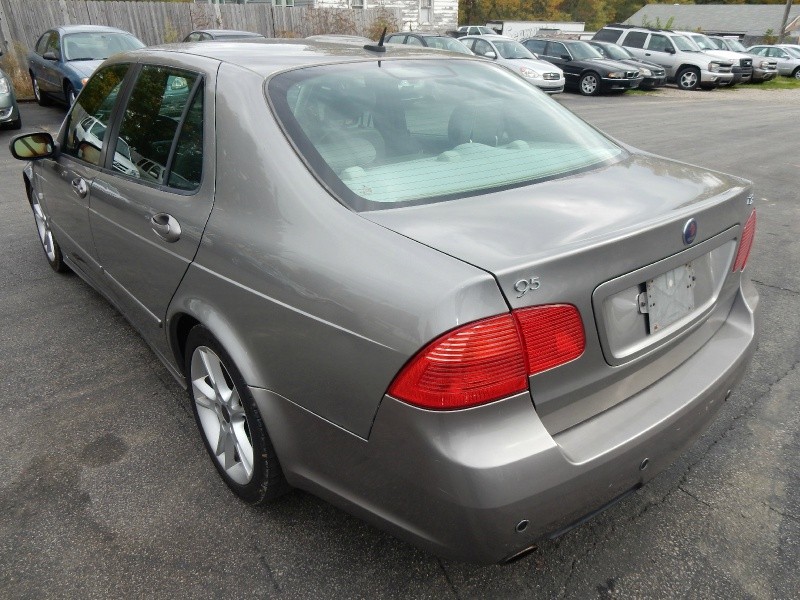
[151, 203]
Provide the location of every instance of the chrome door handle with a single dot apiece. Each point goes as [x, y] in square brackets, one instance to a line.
[166, 227]
[80, 187]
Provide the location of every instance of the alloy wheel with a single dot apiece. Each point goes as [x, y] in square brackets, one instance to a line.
[43, 227]
[688, 80]
[589, 84]
[222, 417]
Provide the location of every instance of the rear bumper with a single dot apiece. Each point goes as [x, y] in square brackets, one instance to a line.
[461, 484]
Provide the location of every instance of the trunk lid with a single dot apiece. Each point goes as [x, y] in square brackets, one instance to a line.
[586, 240]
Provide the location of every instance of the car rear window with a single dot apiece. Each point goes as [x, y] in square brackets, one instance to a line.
[399, 132]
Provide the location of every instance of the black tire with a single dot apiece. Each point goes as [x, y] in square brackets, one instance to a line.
[16, 123]
[688, 78]
[796, 73]
[52, 251]
[589, 84]
[41, 98]
[69, 93]
[266, 481]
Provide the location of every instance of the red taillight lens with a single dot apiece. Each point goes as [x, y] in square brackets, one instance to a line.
[553, 335]
[488, 359]
[471, 365]
[746, 243]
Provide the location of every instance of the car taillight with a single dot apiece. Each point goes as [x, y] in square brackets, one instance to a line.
[746, 243]
[490, 359]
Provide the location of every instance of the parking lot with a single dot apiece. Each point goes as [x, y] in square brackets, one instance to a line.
[106, 490]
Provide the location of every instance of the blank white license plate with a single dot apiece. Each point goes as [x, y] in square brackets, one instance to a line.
[670, 297]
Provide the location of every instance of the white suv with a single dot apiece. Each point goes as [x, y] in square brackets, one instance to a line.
[742, 62]
[684, 62]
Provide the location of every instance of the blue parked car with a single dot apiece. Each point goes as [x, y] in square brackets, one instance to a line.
[9, 111]
[65, 57]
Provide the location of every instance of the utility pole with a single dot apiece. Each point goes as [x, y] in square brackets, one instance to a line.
[782, 32]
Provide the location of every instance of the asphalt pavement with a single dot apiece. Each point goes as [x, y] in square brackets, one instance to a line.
[106, 490]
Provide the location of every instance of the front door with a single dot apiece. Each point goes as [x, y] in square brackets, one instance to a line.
[65, 181]
[149, 209]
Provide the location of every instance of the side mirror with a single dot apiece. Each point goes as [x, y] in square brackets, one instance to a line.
[669, 50]
[50, 55]
[490, 54]
[31, 146]
[566, 57]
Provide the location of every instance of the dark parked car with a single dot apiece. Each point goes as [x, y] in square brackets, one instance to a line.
[406, 281]
[65, 57]
[428, 40]
[585, 69]
[9, 111]
[205, 35]
[653, 75]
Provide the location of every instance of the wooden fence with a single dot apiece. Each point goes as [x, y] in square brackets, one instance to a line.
[23, 21]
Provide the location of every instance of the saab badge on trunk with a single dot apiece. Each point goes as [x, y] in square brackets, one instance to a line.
[689, 231]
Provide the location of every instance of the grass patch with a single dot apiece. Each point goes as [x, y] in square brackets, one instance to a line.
[779, 83]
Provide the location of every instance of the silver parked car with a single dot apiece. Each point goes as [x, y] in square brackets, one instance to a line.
[517, 58]
[787, 57]
[406, 282]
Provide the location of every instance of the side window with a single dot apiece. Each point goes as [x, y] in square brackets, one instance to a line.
[659, 43]
[634, 39]
[557, 49]
[413, 41]
[54, 44]
[192, 37]
[482, 47]
[150, 122]
[607, 35]
[42, 43]
[469, 44]
[395, 39]
[88, 120]
[536, 46]
[759, 51]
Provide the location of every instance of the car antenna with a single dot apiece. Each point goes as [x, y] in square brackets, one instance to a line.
[379, 47]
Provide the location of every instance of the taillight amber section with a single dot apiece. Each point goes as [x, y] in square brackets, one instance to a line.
[471, 365]
[553, 335]
[490, 359]
[746, 243]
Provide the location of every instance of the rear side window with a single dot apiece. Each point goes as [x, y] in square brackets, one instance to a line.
[89, 118]
[607, 35]
[399, 132]
[634, 39]
[150, 123]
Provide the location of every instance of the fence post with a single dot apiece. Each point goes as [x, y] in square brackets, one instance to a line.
[5, 32]
[64, 12]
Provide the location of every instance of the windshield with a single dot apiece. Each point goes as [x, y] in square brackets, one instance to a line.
[615, 52]
[583, 51]
[684, 43]
[98, 45]
[447, 43]
[403, 132]
[486, 30]
[703, 42]
[511, 49]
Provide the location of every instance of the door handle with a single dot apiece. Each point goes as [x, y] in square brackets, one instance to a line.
[80, 187]
[166, 227]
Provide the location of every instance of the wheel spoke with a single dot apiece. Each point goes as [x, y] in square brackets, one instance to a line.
[223, 435]
[214, 371]
[204, 394]
[245, 453]
[230, 450]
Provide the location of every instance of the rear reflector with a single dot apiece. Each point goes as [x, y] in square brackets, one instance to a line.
[490, 359]
[746, 243]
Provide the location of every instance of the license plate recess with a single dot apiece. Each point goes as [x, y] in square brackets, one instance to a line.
[670, 297]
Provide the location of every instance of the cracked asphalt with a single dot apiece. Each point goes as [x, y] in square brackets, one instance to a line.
[106, 491]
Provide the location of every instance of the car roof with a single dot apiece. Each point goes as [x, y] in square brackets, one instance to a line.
[227, 32]
[65, 29]
[266, 56]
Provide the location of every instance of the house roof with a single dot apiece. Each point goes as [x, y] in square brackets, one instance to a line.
[742, 19]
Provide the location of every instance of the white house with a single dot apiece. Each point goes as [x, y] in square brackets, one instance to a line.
[417, 15]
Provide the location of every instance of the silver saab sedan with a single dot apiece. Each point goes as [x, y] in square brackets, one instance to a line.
[413, 285]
